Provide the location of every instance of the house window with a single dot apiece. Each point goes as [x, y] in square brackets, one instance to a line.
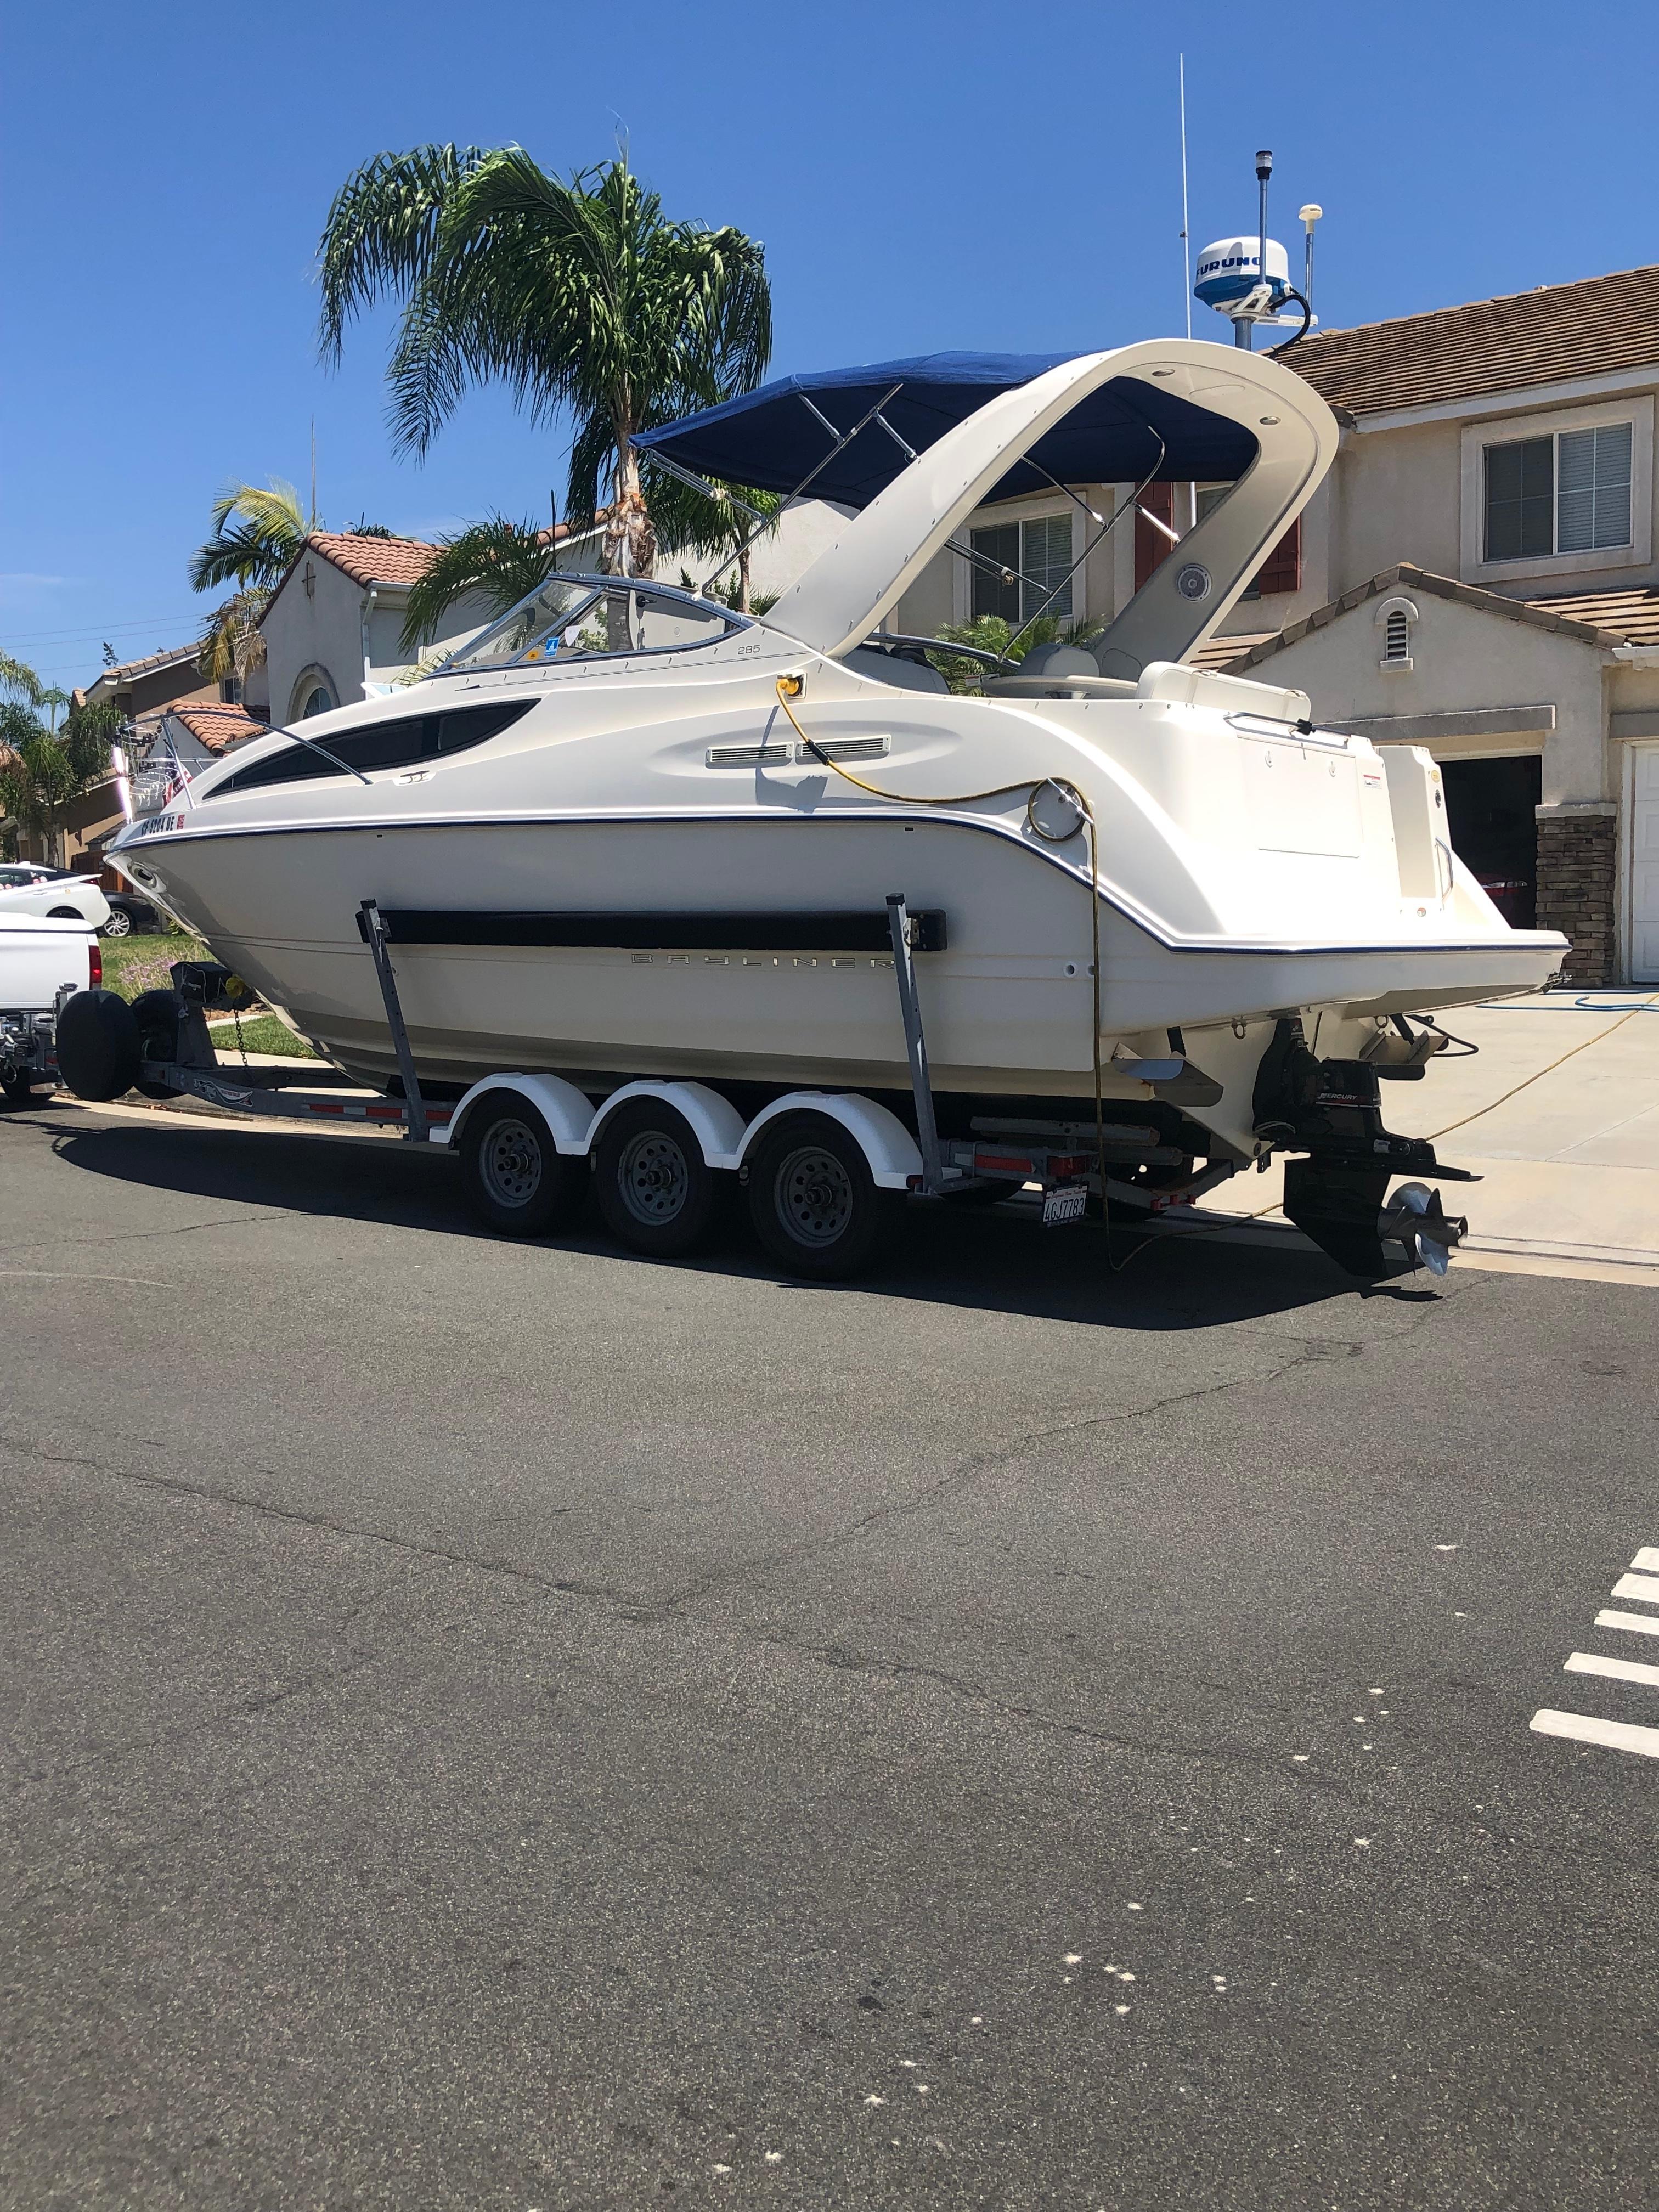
[1568, 493]
[1281, 571]
[1033, 557]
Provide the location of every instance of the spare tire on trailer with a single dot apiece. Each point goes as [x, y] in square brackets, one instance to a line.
[99, 1053]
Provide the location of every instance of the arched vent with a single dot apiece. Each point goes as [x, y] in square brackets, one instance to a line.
[1397, 621]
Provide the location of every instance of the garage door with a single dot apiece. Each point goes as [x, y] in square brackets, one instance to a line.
[1492, 811]
[1644, 865]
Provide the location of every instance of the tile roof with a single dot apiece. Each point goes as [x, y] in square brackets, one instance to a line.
[126, 671]
[1508, 344]
[1222, 652]
[373, 560]
[1631, 616]
[217, 725]
[1599, 619]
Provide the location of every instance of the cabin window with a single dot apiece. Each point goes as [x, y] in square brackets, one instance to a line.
[576, 617]
[397, 741]
[1568, 493]
[1019, 564]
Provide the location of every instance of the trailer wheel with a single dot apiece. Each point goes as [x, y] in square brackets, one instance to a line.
[517, 1181]
[814, 1202]
[156, 1013]
[655, 1190]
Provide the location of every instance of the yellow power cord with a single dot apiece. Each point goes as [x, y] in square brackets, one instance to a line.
[1572, 1052]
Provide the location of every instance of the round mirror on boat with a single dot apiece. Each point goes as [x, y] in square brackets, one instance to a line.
[1057, 811]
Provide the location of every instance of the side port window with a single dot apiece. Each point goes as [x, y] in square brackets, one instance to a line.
[403, 742]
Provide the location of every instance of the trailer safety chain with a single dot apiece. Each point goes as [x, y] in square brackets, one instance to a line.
[789, 686]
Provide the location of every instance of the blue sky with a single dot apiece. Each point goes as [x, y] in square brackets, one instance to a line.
[922, 177]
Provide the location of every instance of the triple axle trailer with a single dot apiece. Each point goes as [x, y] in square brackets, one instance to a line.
[826, 1175]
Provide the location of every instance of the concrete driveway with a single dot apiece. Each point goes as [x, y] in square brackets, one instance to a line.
[1567, 1152]
[511, 1727]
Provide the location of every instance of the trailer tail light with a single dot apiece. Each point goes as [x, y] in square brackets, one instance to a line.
[94, 966]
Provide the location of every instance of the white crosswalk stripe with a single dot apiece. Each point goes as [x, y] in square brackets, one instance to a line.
[1640, 1624]
[1585, 1728]
[1619, 1670]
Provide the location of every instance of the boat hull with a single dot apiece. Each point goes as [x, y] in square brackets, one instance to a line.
[1008, 1002]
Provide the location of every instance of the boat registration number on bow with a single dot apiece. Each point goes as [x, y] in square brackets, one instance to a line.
[1068, 1204]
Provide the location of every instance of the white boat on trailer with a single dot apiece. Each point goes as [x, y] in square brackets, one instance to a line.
[633, 854]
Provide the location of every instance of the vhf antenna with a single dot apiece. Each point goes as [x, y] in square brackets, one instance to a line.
[1264, 169]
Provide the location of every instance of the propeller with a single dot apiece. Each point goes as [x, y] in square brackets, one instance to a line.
[1415, 1217]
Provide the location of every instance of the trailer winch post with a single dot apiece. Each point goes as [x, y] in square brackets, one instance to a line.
[375, 936]
[915, 1045]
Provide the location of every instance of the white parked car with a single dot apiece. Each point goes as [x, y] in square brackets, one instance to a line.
[26, 889]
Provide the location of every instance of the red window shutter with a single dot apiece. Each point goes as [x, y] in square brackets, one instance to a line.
[1152, 545]
[1282, 569]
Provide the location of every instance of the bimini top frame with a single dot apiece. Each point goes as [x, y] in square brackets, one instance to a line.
[939, 437]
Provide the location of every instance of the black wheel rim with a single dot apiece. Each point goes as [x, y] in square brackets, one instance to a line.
[814, 1197]
[653, 1178]
[510, 1162]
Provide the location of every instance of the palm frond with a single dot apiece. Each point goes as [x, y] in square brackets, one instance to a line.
[232, 642]
[379, 231]
[578, 296]
[499, 561]
[19, 682]
[270, 528]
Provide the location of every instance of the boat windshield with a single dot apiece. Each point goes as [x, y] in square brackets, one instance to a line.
[580, 618]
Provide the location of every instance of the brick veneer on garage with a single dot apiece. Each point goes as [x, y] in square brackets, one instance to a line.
[1576, 867]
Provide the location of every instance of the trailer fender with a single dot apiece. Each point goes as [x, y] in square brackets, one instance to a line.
[716, 1123]
[567, 1112]
[886, 1144]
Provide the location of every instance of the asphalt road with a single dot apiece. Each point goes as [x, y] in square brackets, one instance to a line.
[516, 1726]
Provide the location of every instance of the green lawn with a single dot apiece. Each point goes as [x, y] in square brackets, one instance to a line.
[132, 964]
[136, 963]
[260, 1033]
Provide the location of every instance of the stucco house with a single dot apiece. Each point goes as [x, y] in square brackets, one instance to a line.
[1478, 575]
[333, 627]
[144, 691]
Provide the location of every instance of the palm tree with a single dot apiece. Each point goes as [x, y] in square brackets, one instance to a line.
[256, 531]
[581, 297]
[19, 684]
[498, 561]
[723, 528]
[43, 771]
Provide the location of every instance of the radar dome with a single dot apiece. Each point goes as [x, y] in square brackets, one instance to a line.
[1231, 269]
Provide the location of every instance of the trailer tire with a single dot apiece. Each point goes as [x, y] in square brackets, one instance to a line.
[657, 1193]
[98, 1050]
[815, 1205]
[517, 1181]
[156, 1013]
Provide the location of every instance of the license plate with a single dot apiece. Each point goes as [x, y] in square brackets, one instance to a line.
[1060, 1206]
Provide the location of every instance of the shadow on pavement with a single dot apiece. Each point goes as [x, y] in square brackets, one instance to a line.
[1001, 1260]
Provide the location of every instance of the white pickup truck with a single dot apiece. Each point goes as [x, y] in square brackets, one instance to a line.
[40, 958]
